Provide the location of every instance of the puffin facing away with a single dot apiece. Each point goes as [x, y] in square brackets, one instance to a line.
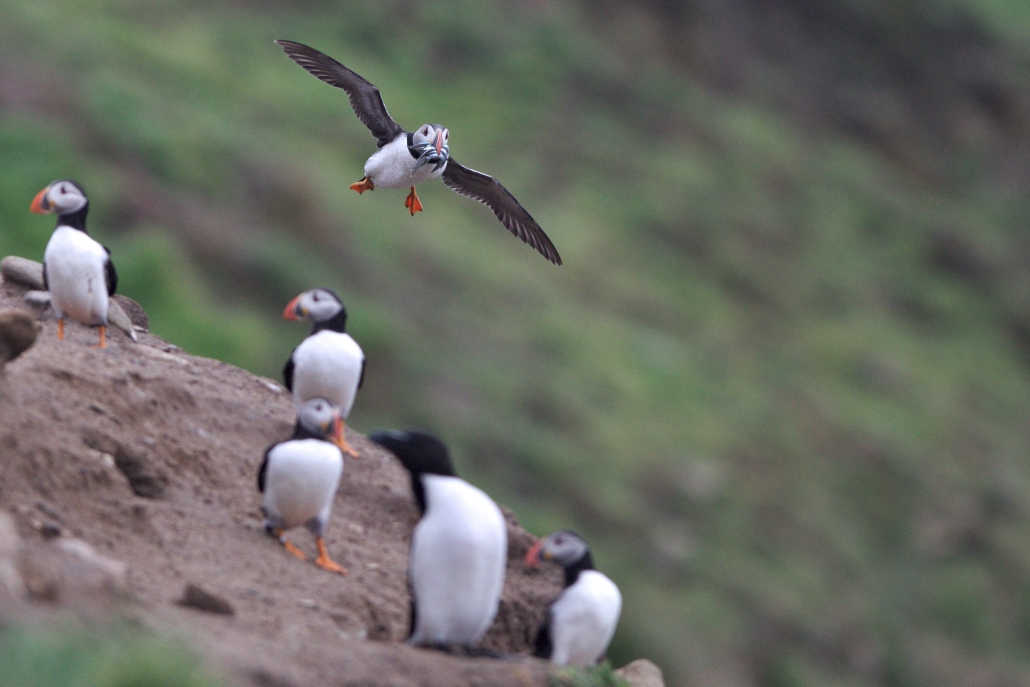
[299, 477]
[327, 364]
[405, 159]
[458, 549]
[582, 620]
[77, 271]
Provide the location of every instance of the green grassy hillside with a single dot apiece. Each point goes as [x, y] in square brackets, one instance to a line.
[781, 381]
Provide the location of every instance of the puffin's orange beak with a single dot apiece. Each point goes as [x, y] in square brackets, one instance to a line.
[336, 433]
[40, 204]
[533, 555]
[290, 313]
[438, 142]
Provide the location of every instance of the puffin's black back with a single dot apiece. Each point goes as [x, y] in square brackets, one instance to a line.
[420, 453]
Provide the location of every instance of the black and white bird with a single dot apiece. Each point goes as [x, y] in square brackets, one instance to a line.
[459, 548]
[299, 477]
[582, 620]
[77, 271]
[407, 158]
[328, 363]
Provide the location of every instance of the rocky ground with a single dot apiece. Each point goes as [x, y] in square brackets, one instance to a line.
[127, 483]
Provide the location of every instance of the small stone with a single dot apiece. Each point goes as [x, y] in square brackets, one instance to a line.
[308, 603]
[113, 570]
[195, 597]
[641, 673]
[22, 271]
[37, 299]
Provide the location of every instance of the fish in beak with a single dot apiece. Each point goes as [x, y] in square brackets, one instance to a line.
[40, 204]
[293, 310]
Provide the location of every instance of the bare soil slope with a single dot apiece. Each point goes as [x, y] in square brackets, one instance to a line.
[150, 455]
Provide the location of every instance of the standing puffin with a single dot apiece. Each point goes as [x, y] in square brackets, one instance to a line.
[582, 620]
[405, 159]
[327, 364]
[459, 548]
[299, 477]
[77, 270]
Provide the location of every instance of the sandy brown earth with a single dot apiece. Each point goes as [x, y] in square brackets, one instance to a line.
[149, 455]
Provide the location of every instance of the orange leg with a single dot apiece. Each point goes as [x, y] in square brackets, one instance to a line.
[289, 546]
[323, 561]
[412, 202]
[363, 185]
[60, 329]
[103, 338]
[345, 447]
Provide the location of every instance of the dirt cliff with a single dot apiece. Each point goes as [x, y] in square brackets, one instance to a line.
[143, 455]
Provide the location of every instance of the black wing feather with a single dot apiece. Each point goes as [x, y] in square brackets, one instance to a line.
[264, 469]
[490, 192]
[542, 647]
[109, 274]
[364, 96]
[288, 373]
[361, 378]
[46, 281]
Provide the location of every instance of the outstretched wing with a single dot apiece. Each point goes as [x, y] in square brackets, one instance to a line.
[487, 190]
[109, 274]
[364, 97]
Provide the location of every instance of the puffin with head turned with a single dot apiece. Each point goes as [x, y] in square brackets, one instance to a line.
[299, 478]
[408, 158]
[328, 363]
[77, 271]
[459, 548]
[581, 622]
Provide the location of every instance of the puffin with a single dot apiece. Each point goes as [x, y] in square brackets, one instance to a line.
[299, 477]
[408, 158]
[582, 620]
[459, 548]
[328, 363]
[77, 271]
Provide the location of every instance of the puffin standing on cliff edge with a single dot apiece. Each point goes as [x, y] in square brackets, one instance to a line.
[406, 159]
[299, 478]
[459, 548]
[328, 363]
[581, 622]
[77, 271]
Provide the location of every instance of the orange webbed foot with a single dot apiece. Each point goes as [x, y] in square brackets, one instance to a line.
[103, 338]
[60, 329]
[324, 562]
[363, 185]
[290, 546]
[412, 202]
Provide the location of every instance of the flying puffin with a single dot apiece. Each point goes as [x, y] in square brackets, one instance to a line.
[582, 620]
[459, 548]
[328, 363]
[77, 270]
[405, 159]
[299, 477]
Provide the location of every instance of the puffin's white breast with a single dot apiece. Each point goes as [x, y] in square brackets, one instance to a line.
[583, 619]
[391, 165]
[75, 276]
[458, 555]
[301, 479]
[327, 365]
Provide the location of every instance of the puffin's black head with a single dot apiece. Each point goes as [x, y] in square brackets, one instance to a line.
[567, 549]
[67, 199]
[429, 143]
[419, 452]
[322, 306]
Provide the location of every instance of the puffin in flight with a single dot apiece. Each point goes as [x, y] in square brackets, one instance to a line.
[582, 620]
[328, 363]
[77, 271]
[299, 477]
[406, 159]
[459, 548]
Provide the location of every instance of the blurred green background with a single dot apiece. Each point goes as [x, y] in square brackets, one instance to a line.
[781, 382]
